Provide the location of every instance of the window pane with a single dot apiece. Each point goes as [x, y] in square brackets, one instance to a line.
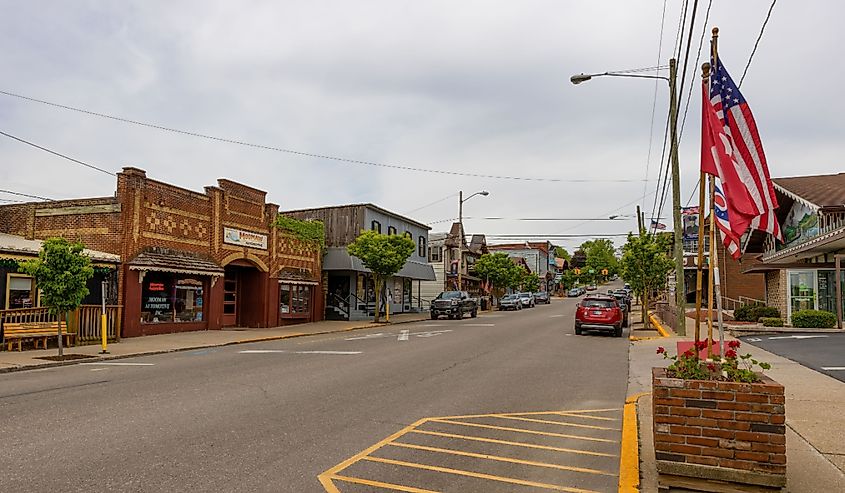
[21, 294]
[172, 298]
[284, 299]
[188, 300]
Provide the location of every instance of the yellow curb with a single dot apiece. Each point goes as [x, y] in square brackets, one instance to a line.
[629, 461]
[658, 325]
[635, 338]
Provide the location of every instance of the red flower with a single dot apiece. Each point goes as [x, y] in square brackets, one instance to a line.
[661, 350]
[711, 366]
[730, 354]
[701, 345]
[688, 353]
[734, 344]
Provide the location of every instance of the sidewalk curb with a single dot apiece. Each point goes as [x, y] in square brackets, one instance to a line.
[629, 458]
[658, 325]
[54, 364]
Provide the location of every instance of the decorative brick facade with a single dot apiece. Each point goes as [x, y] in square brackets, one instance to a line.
[723, 431]
[146, 214]
[776, 294]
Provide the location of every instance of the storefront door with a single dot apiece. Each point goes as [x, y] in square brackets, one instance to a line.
[231, 280]
[802, 291]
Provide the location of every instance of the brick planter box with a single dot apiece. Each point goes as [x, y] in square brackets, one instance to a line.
[720, 431]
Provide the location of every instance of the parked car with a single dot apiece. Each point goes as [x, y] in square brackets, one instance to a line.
[574, 293]
[510, 302]
[625, 305]
[582, 290]
[592, 287]
[623, 293]
[527, 300]
[599, 312]
[542, 297]
[453, 304]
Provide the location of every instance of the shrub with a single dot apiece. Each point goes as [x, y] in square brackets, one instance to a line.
[765, 312]
[813, 319]
[771, 321]
[743, 313]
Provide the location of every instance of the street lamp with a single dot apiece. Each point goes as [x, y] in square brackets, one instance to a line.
[680, 291]
[461, 201]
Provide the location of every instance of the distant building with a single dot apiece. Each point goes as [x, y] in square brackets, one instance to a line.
[350, 288]
[538, 257]
[443, 256]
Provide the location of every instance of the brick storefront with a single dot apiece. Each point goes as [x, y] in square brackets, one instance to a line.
[190, 260]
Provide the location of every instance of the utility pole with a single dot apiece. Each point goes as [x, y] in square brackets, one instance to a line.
[461, 239]
[644, 311]
[680, 289]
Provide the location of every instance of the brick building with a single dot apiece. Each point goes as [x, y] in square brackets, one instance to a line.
[189, 260]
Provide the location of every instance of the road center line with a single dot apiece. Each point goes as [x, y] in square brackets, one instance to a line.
[403, 336]
[270, 351]
[833, 368]
[117, 364]
[479, 325]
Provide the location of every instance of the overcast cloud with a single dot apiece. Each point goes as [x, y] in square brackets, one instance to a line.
[471, 86]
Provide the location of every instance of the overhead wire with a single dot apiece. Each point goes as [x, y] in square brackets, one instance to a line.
[21, 194]
[311, 154]
[756, 43]
[432, 203]
[654, 101]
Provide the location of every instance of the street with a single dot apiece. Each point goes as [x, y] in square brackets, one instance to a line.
[509, 401]
[821, 352]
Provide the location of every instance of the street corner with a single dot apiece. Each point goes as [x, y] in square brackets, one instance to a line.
[574, 450]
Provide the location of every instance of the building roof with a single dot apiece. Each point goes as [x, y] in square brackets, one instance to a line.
[339, 259]
[176, 261]
[820, 190]
[478, 244]
[543, 246]
[363, 204]
[20, 245]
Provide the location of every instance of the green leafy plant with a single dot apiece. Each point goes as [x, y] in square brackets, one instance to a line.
[500, 270]
[744, 313]
[384, 255]
[771, 321]
[763, 311]
[530, 282]
[645, 263]
[813, 319]
[61, 273]
[309, 231]
[732, 368]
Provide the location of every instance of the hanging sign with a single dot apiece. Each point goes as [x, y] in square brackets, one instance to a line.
[244, 238]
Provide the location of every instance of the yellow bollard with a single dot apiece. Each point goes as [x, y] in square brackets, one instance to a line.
[103, 333]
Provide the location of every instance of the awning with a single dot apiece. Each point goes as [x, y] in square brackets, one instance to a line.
[175, 261]
[19, 248]
[339, 259]
[298, 282]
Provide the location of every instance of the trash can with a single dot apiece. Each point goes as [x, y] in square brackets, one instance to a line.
[484, 303]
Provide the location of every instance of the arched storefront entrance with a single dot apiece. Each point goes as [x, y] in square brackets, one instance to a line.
[244, 294]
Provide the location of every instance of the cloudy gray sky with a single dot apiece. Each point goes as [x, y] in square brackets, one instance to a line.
[469, 86]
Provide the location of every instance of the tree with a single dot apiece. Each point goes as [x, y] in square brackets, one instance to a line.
[646, 263]
[600, 255]
[579, 259]
[61, 273]
[500, 270]
[530, 282]
[561, 252]
[384, 255]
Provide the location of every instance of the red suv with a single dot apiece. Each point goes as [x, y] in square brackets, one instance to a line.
[598, 312]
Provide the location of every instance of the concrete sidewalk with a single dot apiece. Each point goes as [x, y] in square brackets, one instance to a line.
[165, 343]
[814, 417]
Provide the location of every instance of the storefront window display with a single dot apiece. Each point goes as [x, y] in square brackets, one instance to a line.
[171, 298]
[294, 299]
[802, 290]
[20, 292]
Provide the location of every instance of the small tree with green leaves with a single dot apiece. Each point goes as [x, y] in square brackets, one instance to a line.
[500, 270]
[645, 263]
[384, 255]
[61, 273]
[530, 282]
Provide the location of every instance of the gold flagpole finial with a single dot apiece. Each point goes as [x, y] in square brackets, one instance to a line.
[705, 70]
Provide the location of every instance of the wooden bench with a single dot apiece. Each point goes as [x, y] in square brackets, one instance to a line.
[33, 331]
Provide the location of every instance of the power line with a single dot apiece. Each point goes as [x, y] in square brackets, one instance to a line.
[21, 194]
[310, 154]
[545, 218]
[759, 37]
[697, 59]
[96, 168]
[430, 204]
[654, 102]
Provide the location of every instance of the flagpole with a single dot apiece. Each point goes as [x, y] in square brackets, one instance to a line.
[714, 46]
[700, 260]
[711, 280]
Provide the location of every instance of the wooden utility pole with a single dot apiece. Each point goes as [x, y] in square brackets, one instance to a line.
[680, 289]
[644, 311]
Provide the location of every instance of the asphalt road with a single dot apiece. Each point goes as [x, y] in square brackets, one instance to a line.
[824, 353]
[529, 407]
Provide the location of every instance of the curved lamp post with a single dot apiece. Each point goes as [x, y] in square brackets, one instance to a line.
[461, 201]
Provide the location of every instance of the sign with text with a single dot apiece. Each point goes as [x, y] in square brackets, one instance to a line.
[244, 238]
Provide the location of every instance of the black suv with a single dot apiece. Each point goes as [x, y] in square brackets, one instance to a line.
[453, 304]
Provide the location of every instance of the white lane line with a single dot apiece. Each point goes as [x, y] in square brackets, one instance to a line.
[403, 336]
[97, 369]
[555, 316]
[368, 336]
[833, 368]
[431, 333]
[117, 364]
[479, 325]
[270, 351]
[431, 325]
[795, 337]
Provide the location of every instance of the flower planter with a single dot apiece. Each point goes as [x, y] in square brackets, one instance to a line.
[719, 431]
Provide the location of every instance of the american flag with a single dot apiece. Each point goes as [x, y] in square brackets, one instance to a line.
[657, 225]
[747, 149]
[720, 208]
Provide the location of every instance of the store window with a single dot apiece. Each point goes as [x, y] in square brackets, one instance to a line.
[20, 292]
[421, 247]
[435, 254]
[375, 226]
[294, 300]
[391, 231]
[827, 290]
[171, 298]
[802, 290]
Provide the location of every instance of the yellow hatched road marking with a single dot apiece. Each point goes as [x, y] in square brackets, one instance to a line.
[479, 475]
[586, 416]
[563, 412]
[501, 459]
[520, 430]
[561, 423]
[517, 444]
[379, 484]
